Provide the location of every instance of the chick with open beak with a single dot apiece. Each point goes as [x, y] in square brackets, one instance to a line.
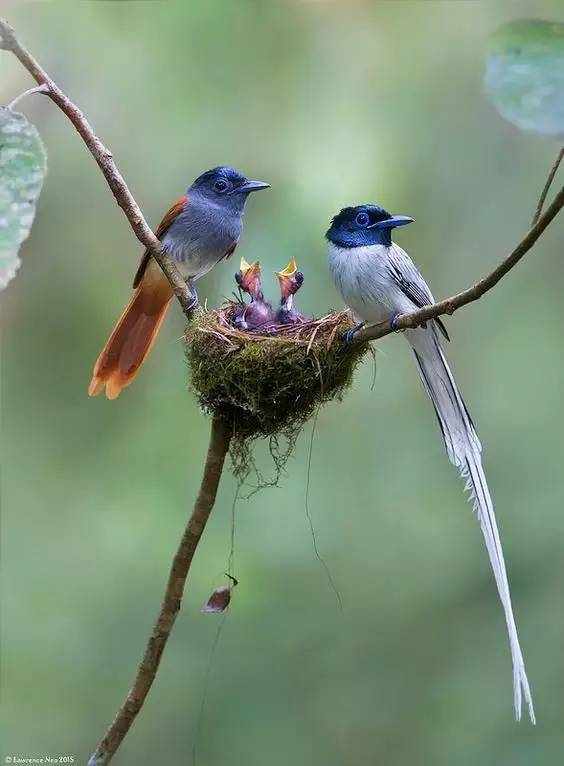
[290, 282]
[258, 312]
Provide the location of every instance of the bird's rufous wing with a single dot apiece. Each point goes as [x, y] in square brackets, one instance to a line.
[168, 219]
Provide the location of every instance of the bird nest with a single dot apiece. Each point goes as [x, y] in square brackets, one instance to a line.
[269, 381]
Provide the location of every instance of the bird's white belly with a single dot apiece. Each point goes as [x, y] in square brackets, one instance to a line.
[362, 278]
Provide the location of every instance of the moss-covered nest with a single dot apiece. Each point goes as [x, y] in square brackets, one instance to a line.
[270, 381]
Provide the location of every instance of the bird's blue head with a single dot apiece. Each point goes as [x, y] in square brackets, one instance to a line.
[364, 225]
[225, 187]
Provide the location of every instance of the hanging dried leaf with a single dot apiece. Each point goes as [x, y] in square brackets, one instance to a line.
[220, 598]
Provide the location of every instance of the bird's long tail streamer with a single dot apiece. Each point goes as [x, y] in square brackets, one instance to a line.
[464, 448]
[134, 334]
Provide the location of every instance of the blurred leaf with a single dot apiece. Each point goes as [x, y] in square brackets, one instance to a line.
[525, 75]
[22, 170]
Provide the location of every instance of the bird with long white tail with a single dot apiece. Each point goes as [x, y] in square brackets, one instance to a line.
[379, 281]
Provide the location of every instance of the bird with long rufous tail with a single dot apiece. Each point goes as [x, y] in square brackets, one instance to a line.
[201, 229]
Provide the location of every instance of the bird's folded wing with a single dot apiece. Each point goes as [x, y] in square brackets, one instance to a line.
[410, 281]
[168, 219]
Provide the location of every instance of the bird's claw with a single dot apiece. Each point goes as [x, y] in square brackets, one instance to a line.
[194, 301]
[348, 335]
[394, 323]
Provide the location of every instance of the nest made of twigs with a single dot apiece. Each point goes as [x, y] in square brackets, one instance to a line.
[267, 381]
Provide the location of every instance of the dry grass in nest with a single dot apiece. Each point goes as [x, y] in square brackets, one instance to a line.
[270, 381]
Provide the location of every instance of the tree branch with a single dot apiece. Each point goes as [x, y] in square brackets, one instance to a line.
[450, 305]
[547, 185]
[220, 438]
[104, 158]
[38, 89]
[220, 435]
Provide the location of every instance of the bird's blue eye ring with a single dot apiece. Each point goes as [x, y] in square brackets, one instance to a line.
[362, 219]
[220, 185]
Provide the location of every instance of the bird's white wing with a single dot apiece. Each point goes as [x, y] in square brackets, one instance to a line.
[409, 279]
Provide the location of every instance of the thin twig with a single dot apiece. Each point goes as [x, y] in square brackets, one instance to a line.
[104, 158]
[231, 557]
[450, 305]
[318, 555]
[30, 91]
[547, 185]
[220, 438]
[230, 569]
[207, 675]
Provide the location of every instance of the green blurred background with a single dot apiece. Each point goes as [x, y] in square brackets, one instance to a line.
[334, 103]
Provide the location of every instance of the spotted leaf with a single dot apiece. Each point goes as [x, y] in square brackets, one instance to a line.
[23, 165]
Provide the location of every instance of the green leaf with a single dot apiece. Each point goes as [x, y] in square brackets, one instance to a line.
[525, 75]
[23, 164]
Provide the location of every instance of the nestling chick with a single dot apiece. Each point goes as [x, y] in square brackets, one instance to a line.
[258, 312]
[290, 282]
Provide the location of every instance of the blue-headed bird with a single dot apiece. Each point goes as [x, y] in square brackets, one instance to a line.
[379, 281]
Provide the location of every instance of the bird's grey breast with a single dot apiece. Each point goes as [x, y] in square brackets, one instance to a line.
[201, 236]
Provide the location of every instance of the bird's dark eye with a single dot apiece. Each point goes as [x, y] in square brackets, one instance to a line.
[362, 219]
[220, 185]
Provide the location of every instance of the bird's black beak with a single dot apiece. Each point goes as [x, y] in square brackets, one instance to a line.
[252, 186]
[391, 223]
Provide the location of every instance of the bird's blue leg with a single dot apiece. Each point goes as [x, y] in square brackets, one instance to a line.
[393, 322]
[194, 302]
[348, 335]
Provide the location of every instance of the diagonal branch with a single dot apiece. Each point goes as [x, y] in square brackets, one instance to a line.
[220, 438]
[547, 186]
[450, 305]
[220, 435]
[104, 158]
[144, 234]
